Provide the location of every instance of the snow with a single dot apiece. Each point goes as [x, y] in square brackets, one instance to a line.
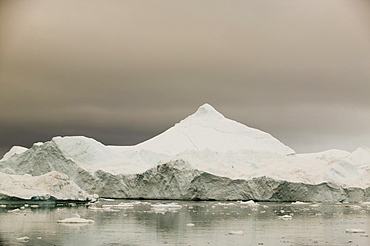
[205, 141]
[93, 155]
[205, 130]
[326, 155]
[208, 129]
[53, 184]
[15, 150]
[360, 156]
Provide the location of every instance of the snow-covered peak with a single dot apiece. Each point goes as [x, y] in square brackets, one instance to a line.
[207, 111]
[82, 149]
[209, 129]
[360, 156]
[326, 155]
[15, 150]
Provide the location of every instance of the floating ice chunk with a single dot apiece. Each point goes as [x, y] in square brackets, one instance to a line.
[285, 217]
[249, 203]
[235, 233]
[299, 203]
[163, 208]
[23, 239]
[76, 220]
[225, 204]
[169, 206]
[98, 209]
[121, 205]
[353, 206]
[355, 231]
[160, 210]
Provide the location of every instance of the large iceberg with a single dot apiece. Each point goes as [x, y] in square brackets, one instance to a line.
[205, 156]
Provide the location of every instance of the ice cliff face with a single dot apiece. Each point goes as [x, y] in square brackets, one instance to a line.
[205, 156]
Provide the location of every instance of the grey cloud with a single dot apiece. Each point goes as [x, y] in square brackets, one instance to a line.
[123, 68]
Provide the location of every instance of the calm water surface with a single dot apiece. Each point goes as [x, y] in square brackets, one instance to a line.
[122, 222]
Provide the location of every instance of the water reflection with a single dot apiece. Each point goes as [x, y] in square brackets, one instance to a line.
[121, 222]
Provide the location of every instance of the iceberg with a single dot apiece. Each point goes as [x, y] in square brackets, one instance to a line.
[52, 185]
[203, 157]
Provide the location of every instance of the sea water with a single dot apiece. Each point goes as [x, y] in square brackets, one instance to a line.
[129, 222]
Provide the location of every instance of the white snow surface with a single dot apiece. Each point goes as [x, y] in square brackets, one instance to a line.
[54, 184]
[93, 155]
[209, 142]
[205, 131]
[15, 150]
[326, 155]
[208, 129]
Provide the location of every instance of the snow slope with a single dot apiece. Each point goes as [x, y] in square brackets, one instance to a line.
[208, 129]
[206, 146]
[93, 155]
[15, 150]
[52, 184]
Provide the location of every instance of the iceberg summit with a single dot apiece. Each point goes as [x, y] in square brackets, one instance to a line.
[203, 157]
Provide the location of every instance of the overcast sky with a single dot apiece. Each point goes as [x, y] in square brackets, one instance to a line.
[124, 71]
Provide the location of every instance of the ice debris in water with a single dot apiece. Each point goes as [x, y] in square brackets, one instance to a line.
[169, 206]
[249, 203]
[285, 217]
[121, 205]
[235, 233]
[225, 204]
[163, 208]
[76, 220]
[107, 199]
[355, 231]
[23, 239]
[299, 203]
